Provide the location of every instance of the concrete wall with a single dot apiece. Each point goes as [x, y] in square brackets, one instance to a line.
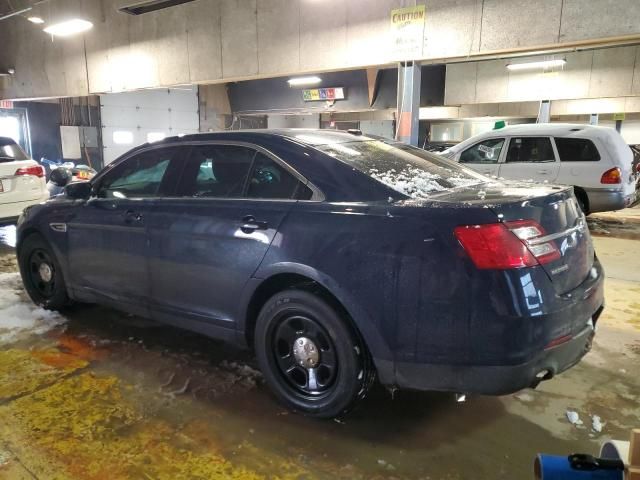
[222, 40]
[607, 72]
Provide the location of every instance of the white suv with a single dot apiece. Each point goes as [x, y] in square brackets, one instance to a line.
[22, 181]
[594, 160]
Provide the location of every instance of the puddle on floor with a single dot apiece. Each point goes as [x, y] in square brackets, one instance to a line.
[109, 396]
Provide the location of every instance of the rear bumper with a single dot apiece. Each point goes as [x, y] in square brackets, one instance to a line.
[11, 211]
[496, 380]
[542, 346]
[603, 200]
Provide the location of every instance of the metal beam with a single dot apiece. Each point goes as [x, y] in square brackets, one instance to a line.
[407, 120]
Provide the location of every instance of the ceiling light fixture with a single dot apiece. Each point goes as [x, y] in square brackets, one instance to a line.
[539, 64]
[69, 27]
[36, 20]
[300, 81]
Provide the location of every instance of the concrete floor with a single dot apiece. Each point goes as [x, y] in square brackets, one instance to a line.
[100, 395]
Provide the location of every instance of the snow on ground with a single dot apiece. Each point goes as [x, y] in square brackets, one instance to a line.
[18, 314]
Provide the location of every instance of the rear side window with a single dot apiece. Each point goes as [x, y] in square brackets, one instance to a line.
[530, 149]
[10, 151]
[270, 180]
[483, 152]
[217, 171]
[140, 176]
[229, 171]
[577, 150]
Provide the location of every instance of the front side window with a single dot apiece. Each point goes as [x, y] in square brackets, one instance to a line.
[483, 152]
[577, 150]
[140, 176]
[530, 149]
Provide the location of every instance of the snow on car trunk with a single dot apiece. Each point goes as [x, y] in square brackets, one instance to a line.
[19, 317]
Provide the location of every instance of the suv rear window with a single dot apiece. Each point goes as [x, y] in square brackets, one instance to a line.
[577, 150]
[10, 151]
[406, 169]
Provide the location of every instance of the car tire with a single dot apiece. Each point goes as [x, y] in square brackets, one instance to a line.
[41, 273]
[310, 356]
[583, 203]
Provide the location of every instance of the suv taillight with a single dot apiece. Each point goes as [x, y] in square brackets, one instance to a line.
[36, 171]
[611, 176]
[501, 246]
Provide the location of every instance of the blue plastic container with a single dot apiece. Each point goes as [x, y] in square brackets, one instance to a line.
[552, 467]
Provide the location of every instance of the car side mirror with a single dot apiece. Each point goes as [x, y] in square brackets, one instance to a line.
[78, 190]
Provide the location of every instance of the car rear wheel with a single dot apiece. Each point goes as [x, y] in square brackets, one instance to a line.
[583, 203]
[41, 273]
[310, 357]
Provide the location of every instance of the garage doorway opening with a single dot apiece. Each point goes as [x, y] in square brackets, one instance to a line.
[14, 124]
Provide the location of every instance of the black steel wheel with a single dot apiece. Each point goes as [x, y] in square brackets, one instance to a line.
[41, 273]
[304, 353]
[310, 356]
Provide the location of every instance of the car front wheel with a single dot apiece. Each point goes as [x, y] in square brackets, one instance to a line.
[310, 357]
[41, 273]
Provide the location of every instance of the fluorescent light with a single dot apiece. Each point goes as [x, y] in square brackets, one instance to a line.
[299, 81]
[155, 136]
[539, 64]
[69, 27]
[36, 20]
[123, 137]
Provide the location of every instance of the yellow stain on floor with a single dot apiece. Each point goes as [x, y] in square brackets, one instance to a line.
[23, 371]
[85, 427]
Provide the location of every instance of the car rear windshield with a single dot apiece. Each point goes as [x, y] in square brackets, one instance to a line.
[406, 169]
[10, 151]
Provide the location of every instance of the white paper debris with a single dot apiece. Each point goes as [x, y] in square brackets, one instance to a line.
[525, 397]
[596, 424]
[574, 418]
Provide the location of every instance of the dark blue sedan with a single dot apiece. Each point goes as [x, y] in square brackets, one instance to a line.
[336, 256]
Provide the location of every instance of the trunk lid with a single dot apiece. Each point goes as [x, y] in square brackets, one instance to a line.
[555, 209]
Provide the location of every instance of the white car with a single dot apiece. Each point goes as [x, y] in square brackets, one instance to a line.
[594, 160]
[22, 181]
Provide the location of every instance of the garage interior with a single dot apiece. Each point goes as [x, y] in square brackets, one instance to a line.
[96, 394]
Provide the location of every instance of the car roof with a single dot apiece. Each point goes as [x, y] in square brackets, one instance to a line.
[306, 136]
[545, 129]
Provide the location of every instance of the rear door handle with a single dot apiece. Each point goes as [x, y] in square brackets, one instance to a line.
[130, 216]
[543, 172]
[250, 224]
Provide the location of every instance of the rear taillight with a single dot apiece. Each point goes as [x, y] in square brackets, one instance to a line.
[611, 176]
[501, 246]
[36, 171]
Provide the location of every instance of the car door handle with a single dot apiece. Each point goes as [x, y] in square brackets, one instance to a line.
[130, 216]
[250, 224]
[543, 172]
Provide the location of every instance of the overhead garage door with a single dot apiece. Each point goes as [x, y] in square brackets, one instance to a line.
[133, 118]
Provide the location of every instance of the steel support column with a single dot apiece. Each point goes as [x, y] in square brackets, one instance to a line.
[407, 121]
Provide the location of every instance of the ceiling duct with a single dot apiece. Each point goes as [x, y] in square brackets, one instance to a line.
[151, 6]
